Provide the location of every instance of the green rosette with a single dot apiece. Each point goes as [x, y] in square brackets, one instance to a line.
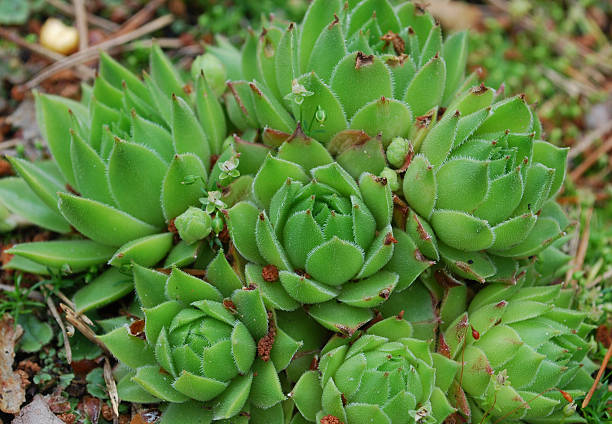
[128, 159]
[381, 376]
[524, 351]
[317, 236]
[209, 349]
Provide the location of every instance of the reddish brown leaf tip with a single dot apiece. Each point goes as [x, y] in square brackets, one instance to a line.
[363, 60]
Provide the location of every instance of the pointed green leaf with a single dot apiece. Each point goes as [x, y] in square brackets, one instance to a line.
[385, 116]
[356, 72]
[19, 198]
[78, 255]
[210, 114]
[306, 290]
[427, 87]
[462, 184]
[420, 189]
[461, 230]
[145, 251]
[158, 383]
[272, 175]
[187, 133]
[135, 174]
[102, 223]
[164, 73]
[439, 140]
[176, 196]
[241, 224]
[322, 262]
[44, 185]
[130, 350]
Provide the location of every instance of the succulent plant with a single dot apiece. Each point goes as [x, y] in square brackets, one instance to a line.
[316, 236]
[209, 348]
[378, 87]
[524, 355]
[482, 184]
[382, 375]
[363, 65]
[127, 160]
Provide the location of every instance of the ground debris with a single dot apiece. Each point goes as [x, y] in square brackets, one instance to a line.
[37, 412]
[12, 390]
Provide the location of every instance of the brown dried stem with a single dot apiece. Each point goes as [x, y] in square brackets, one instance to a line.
[138, 19]
[590, 138]
[591, 159]
[94, 20]
[79, 323]
[111, 388]
[81, 23]
[582, 247]
[58, 319]
[603, 366]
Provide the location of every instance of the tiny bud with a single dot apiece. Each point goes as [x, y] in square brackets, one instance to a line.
[217, 224]
[193, 225]
[397, 151]
[569, 409]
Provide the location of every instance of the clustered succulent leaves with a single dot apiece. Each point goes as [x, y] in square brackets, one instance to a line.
[312, 217]
[203, 341]
[369, 190]
[129, 159]
[382, 375]
[523, 350]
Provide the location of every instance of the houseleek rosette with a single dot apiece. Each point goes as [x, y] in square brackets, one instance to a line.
[317, 236]
[209, 348]
[481, 183]
[127, 160]
[381, 376]
[364, 65]
[524, 351]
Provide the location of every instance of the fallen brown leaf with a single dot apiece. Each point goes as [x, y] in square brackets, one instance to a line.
[37, 412]
[12, 390]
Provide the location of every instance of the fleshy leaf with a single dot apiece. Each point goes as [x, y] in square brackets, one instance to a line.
[102, 223]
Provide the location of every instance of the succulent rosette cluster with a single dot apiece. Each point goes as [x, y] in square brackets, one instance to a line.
[524, 355]
[317, 236]
[482, 184]
[382, 375]
[210, 349]
[381, 88]
[366, 65]
[127, 161]
[369, 181]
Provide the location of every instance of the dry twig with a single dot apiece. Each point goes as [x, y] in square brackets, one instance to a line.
[111, 387]
[81, 23]
[79, 323]
[603, 366]
[589, 139]
[582, 247]
[58, 319]
[92, 19]
[591, 159]
[140, 17]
